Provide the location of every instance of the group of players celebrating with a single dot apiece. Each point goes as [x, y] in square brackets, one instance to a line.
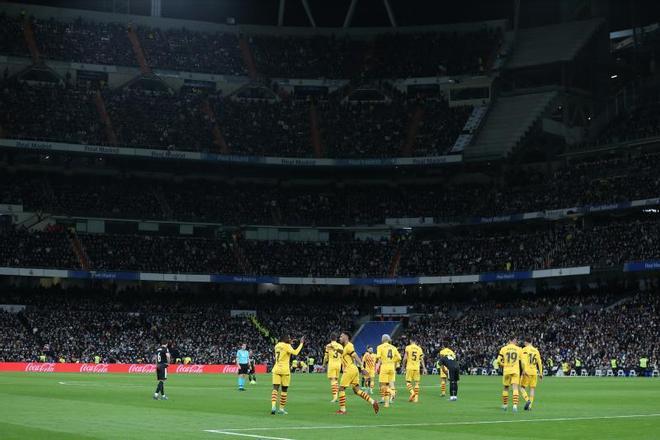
[522, 368]
[344, 368]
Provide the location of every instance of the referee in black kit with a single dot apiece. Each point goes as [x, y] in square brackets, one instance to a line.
[163, 359]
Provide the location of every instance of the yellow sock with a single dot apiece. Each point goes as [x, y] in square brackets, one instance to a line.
[515, 397]
[443, 387]
[273, 399]
[531, 401]
[523, 392]
[365, 396]
[335, 389]
[416, 393]
[386, 396]
[410, 388]
[342, 400]
[505, 398]
[283, 395]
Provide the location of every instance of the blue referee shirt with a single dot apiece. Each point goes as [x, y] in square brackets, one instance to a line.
[243, 356]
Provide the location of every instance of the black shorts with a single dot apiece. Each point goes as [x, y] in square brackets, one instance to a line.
[454, 373]
[161, 372]
[242, 368]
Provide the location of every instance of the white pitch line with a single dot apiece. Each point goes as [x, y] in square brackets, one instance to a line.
[215, 431]
[474, 422]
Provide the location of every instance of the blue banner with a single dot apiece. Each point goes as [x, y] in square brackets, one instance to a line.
[504, 276]
[639, 266]
[367, 281]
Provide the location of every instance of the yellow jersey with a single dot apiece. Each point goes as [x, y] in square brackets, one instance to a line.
[283, 352]
[369, 361]
[347, 361]
[448, 353]
[414, 356]
[388, 355]
[510, 358]
[532, 360]
[334, 355]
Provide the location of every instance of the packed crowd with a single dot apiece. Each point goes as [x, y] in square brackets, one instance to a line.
[49, 112]
[50, 248]
[641, 123]
[158, 119]
[592, 329]
[78, 324]
[400, 55]
[178, 121]
[453, 251]
[594, 182]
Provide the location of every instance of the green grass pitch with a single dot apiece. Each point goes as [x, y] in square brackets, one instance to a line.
[84, 406]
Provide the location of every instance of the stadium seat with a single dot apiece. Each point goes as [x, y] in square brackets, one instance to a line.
[573, 373]
[632, 373]
[584, 372]
[621, 373]
[655, 373]
[598, 373]
[610, 373]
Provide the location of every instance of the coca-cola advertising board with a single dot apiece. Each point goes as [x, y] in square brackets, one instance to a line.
[45, 367]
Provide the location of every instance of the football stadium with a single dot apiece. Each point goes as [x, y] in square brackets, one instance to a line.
[310, 219]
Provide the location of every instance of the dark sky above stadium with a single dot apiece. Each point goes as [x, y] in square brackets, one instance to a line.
[621, 13]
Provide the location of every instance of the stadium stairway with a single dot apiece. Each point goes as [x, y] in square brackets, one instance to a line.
[78, 249]
[30, 41]
[413, 128]
[315, 132]
[248, 59]
[139, 53]
[105, 118]
[370, 333]
[218, 139]
[551, 44]
[506, 124]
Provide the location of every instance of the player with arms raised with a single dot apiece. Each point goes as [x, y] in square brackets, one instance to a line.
[413, 357]
[511, 360]
[282, 372]
[333, 359]
[350, 363]
[387, 356]
[533, 371]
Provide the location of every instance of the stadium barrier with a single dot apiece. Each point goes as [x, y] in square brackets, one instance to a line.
[239, 279]
[228, 158]
[57, 367]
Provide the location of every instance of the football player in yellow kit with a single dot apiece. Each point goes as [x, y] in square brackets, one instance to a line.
[413, 360]
[369, 365]
[387, 356]
[282, 372]
[333, 359]
[512, 363]
[350, 377]
[533, 372]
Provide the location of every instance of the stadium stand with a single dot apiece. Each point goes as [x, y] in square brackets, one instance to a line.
[124, 326]
[581, 182]
[453, 251]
